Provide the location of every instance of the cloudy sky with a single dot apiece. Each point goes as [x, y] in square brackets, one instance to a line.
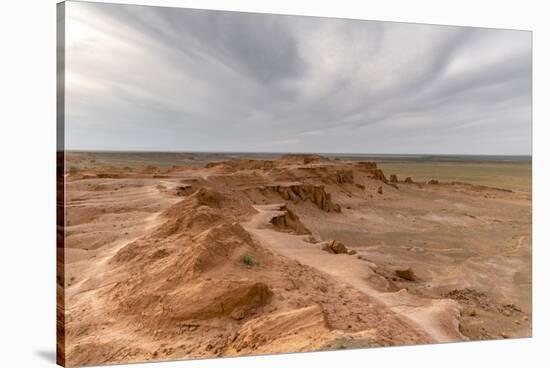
[152, 78]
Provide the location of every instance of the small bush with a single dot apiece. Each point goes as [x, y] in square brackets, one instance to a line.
[248, 260]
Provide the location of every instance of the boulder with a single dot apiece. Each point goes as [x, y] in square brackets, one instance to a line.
[407, 274]
[338, 247]
[326, 247]
[409, 180]
[393, 178]
[334, 247]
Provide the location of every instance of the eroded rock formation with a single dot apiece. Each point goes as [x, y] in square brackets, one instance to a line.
[306, 192]
[289, 221]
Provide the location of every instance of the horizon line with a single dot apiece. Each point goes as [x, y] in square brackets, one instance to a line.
[296, 152]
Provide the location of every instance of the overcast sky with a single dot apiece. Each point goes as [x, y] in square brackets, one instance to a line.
[153, 78]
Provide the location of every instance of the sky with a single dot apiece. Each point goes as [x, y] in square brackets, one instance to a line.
[145, 78]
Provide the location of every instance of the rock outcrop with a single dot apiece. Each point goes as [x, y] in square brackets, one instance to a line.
[302, 329]
[184, 190]
[344, 176]
[233, 298]
[378, 174]
[289, 221]
[334, 247]
[306, 192]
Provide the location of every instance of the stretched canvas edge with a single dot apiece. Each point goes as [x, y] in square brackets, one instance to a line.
[60, 185]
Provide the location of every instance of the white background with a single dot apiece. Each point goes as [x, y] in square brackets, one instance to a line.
[27, 180]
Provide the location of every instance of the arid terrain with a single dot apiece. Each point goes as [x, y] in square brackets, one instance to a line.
[194, 256]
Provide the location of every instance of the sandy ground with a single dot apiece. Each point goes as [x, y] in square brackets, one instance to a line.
[178, 262]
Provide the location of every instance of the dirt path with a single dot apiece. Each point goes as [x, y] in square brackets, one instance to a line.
[439, 318]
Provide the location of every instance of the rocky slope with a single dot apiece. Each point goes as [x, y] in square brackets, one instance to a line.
[228, 259]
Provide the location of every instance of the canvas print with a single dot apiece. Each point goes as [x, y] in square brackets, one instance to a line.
[240, 184]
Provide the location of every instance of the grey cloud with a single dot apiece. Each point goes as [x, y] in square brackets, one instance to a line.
[179, 79]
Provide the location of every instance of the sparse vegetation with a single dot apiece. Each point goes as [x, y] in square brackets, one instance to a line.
[248, 260]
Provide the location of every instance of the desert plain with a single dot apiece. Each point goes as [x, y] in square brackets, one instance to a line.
[195, 255]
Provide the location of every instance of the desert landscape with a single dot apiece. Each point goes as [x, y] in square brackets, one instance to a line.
[195, 255]
[233, 184]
